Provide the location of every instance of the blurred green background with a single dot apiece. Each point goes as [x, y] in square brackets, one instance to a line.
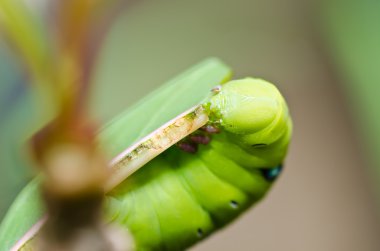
[323, 55]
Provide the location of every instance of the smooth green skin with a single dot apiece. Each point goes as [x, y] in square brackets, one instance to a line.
[178, 198]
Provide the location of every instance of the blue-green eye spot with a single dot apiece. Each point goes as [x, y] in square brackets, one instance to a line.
[272, 173]
[200, 232]
[234, 204]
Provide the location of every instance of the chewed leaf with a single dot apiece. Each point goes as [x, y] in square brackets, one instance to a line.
[145, 126]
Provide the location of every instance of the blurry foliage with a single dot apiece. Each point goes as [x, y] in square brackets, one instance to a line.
[58, 60]
[352, 31]
[133, 61]
[18, 117]
[189, 88]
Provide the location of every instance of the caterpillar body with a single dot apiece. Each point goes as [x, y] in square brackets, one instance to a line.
[179, 198]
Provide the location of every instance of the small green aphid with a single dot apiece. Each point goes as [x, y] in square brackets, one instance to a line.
[184, 194]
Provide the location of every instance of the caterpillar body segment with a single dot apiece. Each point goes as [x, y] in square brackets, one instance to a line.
[179, 198]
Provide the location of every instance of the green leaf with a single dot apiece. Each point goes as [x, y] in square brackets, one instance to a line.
[188, 89]
[25, 211]
[173, 98]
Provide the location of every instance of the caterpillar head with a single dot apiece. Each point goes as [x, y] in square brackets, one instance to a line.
[253, 112]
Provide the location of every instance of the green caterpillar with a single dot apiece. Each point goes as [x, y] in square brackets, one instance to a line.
[180, 198]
